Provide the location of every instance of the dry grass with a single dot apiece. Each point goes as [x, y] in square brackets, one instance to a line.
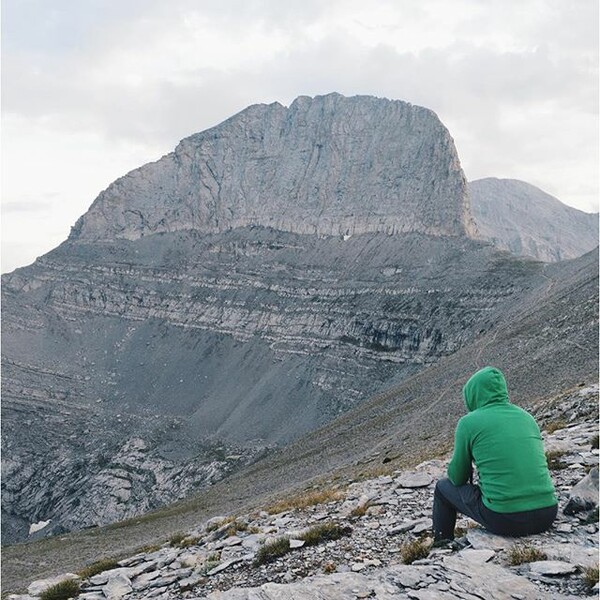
[148, 549]
[590, 576]
[106, 564]
[61, 591]
[218, 524]
[520, 554]
[305, 500]
[553, 426]
[237, 526]
[272, 550]
[177, 538]
[553, 459]
[359, 511]
[324, 532]
[414, 550]
[329, 567]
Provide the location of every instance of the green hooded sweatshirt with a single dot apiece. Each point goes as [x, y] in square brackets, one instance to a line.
[506, 446]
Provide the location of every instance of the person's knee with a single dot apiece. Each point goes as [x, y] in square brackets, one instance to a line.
[442, 486]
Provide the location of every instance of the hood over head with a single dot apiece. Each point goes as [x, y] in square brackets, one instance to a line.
[485, 387]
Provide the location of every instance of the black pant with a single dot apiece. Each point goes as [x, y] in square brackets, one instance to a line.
[449, 499]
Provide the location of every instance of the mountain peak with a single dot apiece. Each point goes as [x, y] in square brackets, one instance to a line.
[328, 165]
[523, 219]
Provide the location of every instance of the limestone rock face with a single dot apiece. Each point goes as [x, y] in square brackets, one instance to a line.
[524, 220]
[325, 165]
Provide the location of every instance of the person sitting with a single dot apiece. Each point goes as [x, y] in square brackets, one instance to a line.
[515, 495]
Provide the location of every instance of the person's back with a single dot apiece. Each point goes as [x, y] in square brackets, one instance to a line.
[515, 495]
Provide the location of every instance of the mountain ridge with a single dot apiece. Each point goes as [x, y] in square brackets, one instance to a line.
[523, 219]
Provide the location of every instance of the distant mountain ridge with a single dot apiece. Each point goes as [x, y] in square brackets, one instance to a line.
[519, 217]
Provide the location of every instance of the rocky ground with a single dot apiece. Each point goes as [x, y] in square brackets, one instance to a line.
[355, 541]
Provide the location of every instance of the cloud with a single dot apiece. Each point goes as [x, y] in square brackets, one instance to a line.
[12, 207]
[99, 84]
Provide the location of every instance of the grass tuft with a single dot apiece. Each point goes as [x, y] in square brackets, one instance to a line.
[521, 553]
[359, 511]
[329, 567]
[414, 550]
[105, 564]
[177, 538]
[238, 525]
[324, 532]
[272, 550]
[218, 524]
[590, 576]
[61, 591]
[553, 426]
[304, 500]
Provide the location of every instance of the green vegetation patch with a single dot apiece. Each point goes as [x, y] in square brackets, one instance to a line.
[61, 591]
[272, 550]
[105, 564]
[325, 532]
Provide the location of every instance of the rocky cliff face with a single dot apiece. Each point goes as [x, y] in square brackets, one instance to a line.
[524, 220]
[328, 165]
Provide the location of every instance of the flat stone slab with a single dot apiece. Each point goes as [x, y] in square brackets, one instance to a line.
[414, 480]
[490, 581]
[477, 556]
[224, 566]
[423, 525]
[582, 556]
[117, 586]
[480, 539]
[552, 567]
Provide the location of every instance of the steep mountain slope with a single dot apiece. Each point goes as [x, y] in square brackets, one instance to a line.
[246, 288]
[267, 276]
[521, 218]
[126, 384]
[546, 343]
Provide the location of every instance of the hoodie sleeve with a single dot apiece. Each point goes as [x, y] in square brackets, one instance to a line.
[460, 467]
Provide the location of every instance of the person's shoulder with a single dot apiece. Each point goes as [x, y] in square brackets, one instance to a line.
[465, 420]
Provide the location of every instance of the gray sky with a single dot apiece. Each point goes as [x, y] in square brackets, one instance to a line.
[94, 88]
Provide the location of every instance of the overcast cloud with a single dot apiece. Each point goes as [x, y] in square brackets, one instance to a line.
[94, 88]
